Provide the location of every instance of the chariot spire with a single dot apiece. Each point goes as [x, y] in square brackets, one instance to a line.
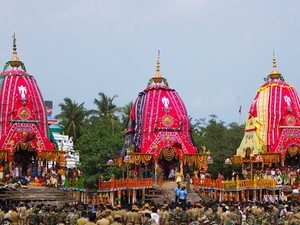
[275, 74]
[157, 78]
[15, 61]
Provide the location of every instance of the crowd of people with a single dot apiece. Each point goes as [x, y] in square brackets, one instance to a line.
[281, 175]
[13, 175]
[181, 213]
[284, 175]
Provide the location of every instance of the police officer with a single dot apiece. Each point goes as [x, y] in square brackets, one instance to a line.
[172, 216]
[34, 217]
[117, 219]
[146, 219]
[183, 217]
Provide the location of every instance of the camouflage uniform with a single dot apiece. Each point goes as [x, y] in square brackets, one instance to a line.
[258, 213]
[172, 218]
[195, 222]
[214, 218]
[53, 218]
[34, 218]
[177, 212]
[250, 220]
[258, 219]
[183, 217]
[281, 221]
[265, 218]
[232, 219]
[72, 218]
[61, 216]
[46, 217]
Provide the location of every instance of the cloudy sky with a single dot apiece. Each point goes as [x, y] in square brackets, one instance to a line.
[214, 53]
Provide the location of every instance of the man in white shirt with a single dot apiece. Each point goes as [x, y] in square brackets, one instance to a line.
[155, 216]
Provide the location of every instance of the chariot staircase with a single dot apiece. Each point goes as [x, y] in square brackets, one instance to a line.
[36, 195]
[165, 193]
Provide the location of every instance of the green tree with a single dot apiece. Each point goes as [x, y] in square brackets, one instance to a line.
[96, 146]
[72, 117]
[221, 140]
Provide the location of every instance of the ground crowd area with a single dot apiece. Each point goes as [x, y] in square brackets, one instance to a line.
[278, 211]
[196, 213]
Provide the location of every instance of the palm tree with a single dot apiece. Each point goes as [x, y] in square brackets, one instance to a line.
[126, 114]
[72, 117]
[105, 106]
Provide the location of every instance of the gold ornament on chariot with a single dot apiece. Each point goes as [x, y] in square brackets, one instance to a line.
[24, 113]
[38, 144]
[290, 120]
[167, 120]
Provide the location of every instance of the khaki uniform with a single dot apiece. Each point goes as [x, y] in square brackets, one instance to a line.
[208, 213]
[103, 221]
[149, 222]
[1, 215]
[122, 212]
[27, 214]
[90, 223]
[137, 218]
[81, 221]
[258, 213]
[164, 217]
[223, 218]
[295, 219]
[22, 215]
[191, 214]
[110, 218]
[200, 212]
[14, 217]
[116, 223]
[128, 218]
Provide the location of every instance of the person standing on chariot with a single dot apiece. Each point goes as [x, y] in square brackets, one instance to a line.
[1, 173]
[171, 174]
[188, 182]
[62, 173]
[178, 177]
